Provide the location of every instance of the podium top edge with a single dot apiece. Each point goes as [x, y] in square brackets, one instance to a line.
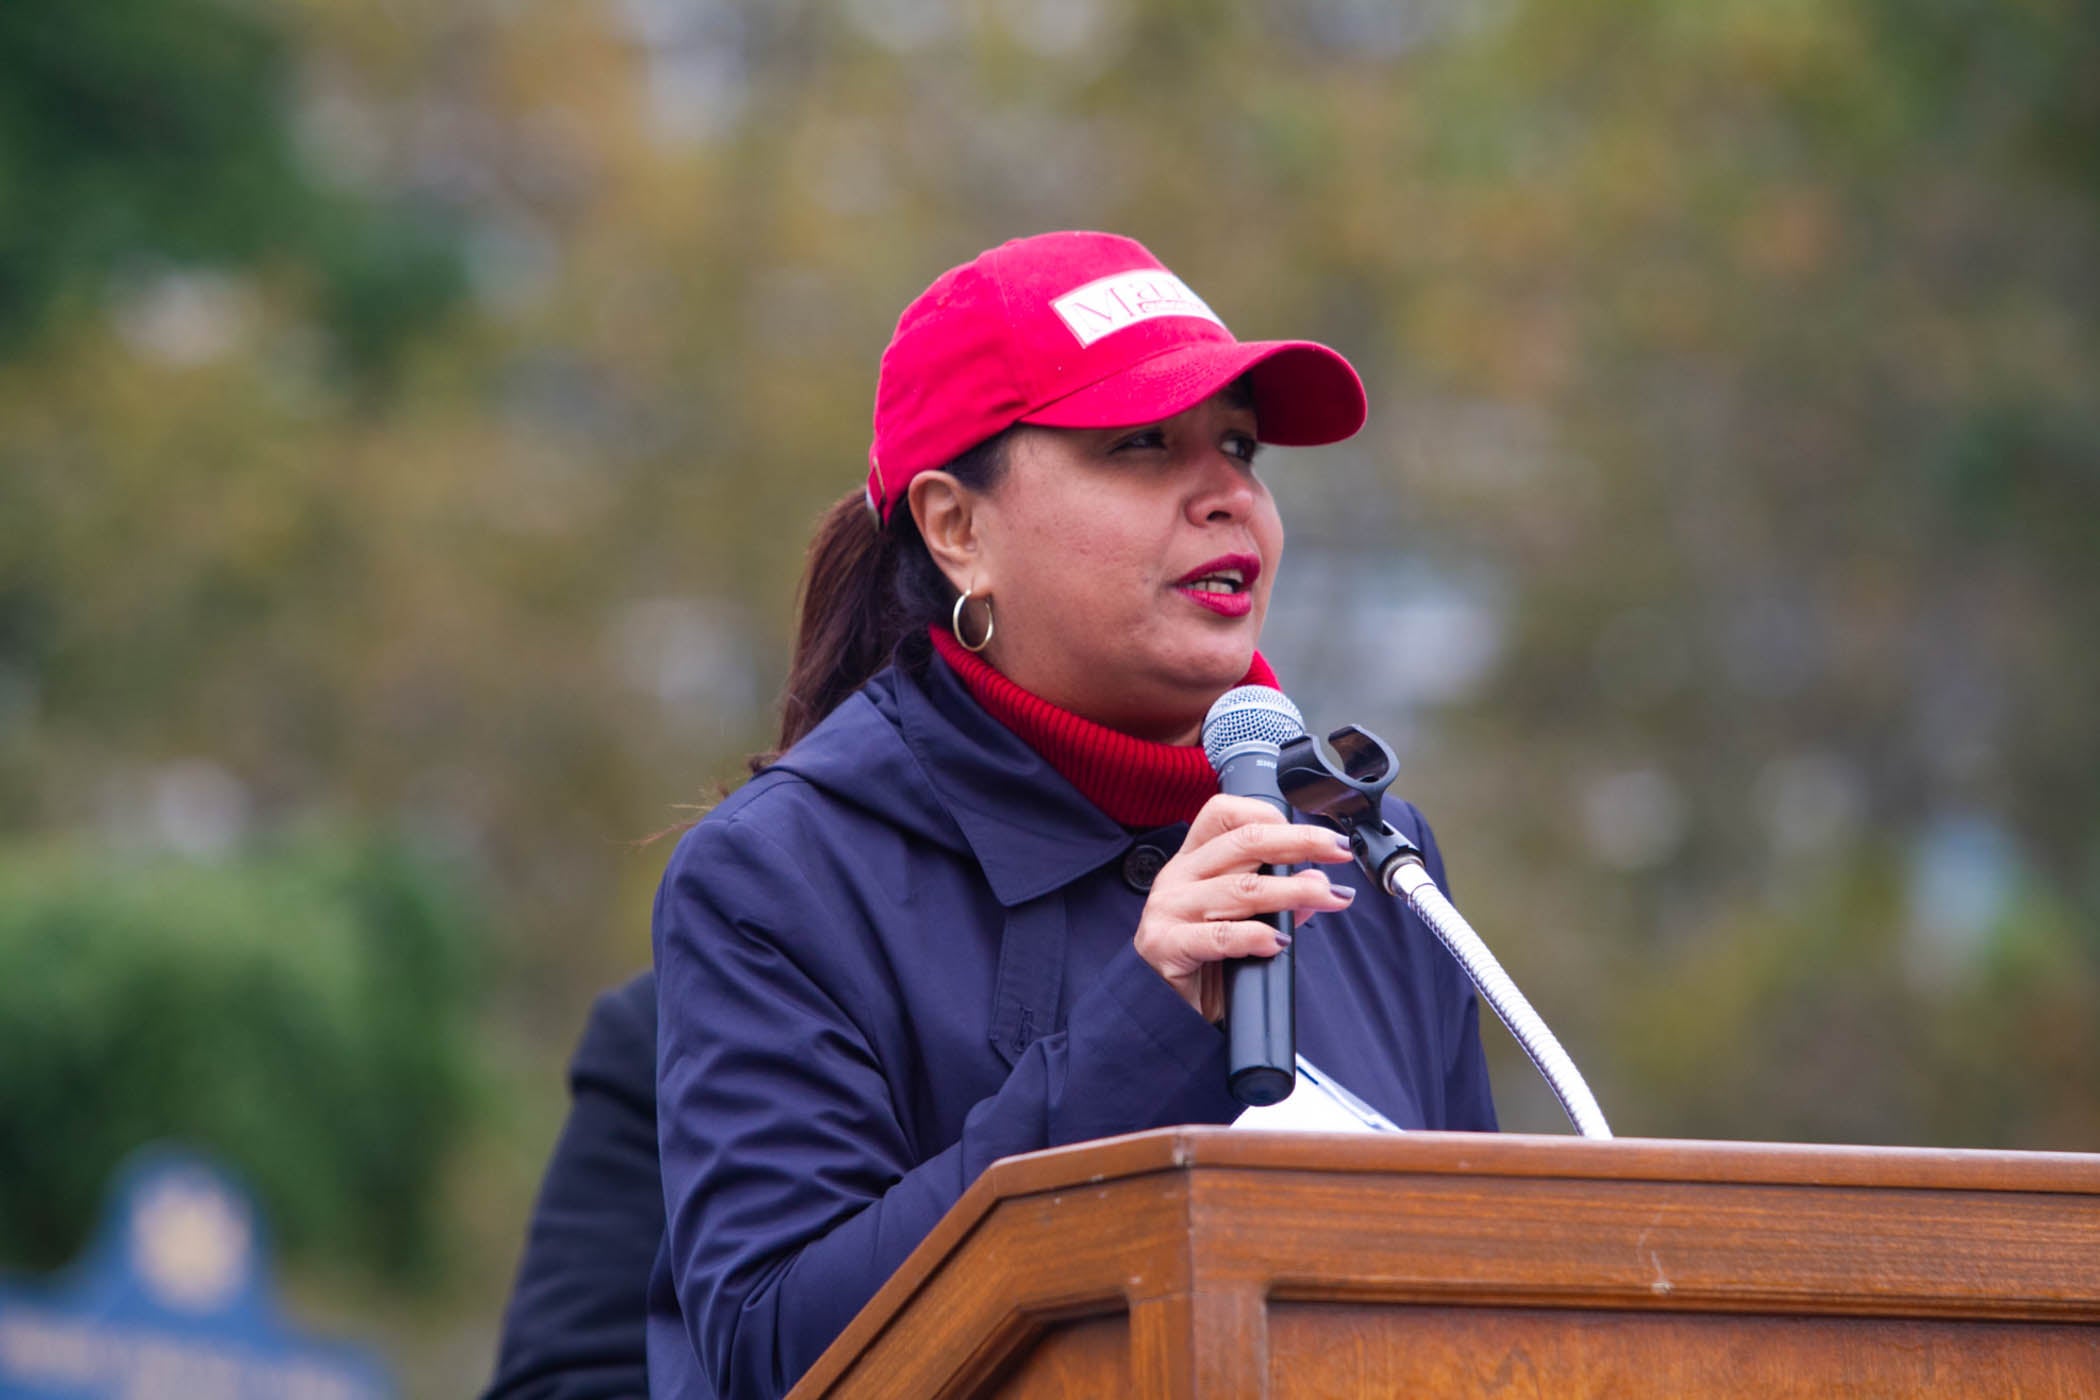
[1533, 1155]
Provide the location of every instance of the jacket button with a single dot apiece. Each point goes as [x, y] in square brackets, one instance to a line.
[1142, 866]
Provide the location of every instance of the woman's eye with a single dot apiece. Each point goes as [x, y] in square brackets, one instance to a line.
[1243, 447]
[1150, 439]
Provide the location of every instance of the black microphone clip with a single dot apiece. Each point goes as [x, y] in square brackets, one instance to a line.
[1347, 791]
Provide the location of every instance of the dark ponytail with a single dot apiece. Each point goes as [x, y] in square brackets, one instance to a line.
[868, 592]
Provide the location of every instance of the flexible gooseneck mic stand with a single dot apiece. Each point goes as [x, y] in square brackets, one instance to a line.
[1348, 796]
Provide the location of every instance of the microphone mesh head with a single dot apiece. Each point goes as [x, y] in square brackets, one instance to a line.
[1249, 717]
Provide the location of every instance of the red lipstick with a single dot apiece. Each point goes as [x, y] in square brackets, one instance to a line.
[1225, 585]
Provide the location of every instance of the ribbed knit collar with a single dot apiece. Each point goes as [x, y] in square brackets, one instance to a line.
[1137, 782]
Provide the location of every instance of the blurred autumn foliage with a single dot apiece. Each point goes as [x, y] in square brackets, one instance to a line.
[411, 418]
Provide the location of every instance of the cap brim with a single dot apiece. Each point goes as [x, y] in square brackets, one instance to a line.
[1304, 393]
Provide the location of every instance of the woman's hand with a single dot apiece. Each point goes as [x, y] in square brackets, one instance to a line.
[1203, 901]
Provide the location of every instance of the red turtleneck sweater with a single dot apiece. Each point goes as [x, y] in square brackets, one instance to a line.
[1136, 781]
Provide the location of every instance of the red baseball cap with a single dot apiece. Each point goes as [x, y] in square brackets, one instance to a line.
[1079, 330]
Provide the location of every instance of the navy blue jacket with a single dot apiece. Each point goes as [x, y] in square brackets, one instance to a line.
[903, 952]
[574, 1328]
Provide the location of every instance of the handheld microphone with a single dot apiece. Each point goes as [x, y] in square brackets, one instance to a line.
[1243, 735]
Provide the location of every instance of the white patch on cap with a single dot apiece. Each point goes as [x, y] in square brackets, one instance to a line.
[1111, 304]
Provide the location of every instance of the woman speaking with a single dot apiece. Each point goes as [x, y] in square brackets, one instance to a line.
[978, 902]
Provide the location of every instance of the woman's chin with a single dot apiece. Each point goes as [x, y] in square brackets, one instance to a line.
[1169, 703]
[1226, 654]
[1214, 669]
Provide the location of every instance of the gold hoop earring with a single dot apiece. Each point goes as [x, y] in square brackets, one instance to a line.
[955, 622]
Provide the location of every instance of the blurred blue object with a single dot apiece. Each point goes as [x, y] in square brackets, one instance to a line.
[172, 1297]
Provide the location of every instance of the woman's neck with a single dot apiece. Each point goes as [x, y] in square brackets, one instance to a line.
[1137, 782]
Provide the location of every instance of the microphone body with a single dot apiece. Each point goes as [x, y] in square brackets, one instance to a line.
[1243, 735]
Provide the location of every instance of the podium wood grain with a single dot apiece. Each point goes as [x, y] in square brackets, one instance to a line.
[1203, 1263]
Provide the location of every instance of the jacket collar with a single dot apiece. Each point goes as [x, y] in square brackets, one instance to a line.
[949, 772]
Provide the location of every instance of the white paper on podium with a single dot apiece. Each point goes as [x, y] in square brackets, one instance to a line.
[1317, 1104]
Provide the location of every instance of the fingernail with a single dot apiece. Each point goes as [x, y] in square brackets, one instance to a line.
[1283, 940]
[1345, 892]
[1341, 842]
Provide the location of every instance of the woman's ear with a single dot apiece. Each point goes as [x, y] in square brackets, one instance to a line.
[947, 515]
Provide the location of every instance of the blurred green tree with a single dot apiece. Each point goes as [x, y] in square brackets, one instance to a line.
[140, 136]
[301, 1014]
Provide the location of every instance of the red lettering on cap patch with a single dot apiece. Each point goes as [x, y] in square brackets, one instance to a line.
[1111, 304]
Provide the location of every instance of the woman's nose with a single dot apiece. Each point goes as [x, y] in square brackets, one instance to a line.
[1225, 491]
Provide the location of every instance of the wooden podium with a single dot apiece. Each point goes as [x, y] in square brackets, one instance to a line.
[1200, 1262]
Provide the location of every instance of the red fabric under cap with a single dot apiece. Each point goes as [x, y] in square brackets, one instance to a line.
[1079, 330]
